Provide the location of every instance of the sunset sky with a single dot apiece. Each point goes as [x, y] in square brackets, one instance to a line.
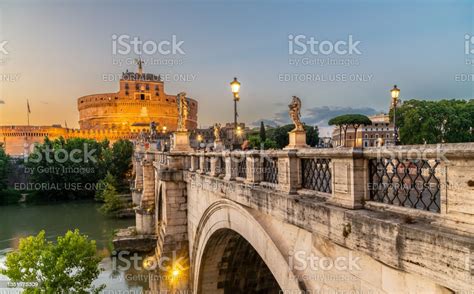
[57, 53]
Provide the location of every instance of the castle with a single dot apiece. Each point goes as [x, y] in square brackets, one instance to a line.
[141, 99]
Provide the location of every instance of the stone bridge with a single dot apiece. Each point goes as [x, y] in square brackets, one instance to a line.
[376, 220]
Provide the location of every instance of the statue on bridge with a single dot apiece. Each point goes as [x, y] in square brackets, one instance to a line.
[217, 132]
[183, 111]
[297, 136]
[295, 113]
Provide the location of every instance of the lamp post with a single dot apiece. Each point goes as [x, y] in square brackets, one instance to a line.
[395, 94]
[235, 87]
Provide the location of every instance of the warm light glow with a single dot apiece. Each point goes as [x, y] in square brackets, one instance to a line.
[395, 92]
[235, 86]
[199, 138]
[239, 131]
[175, 273]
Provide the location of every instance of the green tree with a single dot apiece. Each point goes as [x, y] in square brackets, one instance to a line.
[256, 143]
[67, 167]
[431, 122]
[346, 120]
[263, 134]
[280, 135]
[102, 185]
[112, 202]
[68, 266]
[4, 168]
[121, 162]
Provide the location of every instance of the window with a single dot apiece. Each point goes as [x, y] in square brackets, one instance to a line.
[366, 136]
[147, 87]
[126, 86]
[142, 96]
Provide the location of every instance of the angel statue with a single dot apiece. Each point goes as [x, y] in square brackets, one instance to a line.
[217, 132]
[295, 113]
[183, 111]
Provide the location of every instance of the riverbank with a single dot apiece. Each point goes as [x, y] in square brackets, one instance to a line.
[23, 220]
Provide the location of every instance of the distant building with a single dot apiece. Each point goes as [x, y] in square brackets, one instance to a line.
[379, 133]
[141, 99]
[205, 137]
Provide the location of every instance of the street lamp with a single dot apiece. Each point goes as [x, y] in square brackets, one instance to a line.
[235, 87]
[395, 94]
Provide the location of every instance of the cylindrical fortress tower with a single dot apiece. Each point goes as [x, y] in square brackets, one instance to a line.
[140, 100]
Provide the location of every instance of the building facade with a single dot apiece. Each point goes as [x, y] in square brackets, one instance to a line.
[141, 100]
[379, 133]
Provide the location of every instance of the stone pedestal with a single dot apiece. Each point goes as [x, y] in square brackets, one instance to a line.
[181, 141]
[297, 140]
[218, 146]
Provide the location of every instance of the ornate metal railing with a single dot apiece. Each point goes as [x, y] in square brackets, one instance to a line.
[408, 183]
[270, 170]
[316, 174]
[241, 167]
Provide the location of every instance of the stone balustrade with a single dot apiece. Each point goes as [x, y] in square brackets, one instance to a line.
[414, 201]
[429, 180]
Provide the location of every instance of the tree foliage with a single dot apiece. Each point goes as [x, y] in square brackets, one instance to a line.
[263, 134]
[346, 120]
[4, 168]
[121, 162]
[350, 119]
[68, 266]
[256, 143]
[71, 169]
[112, 202]
[421, 121]
[280, 135]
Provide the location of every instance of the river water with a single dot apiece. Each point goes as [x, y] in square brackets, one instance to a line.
[56, 219]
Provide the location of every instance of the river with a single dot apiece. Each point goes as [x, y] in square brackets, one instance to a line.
[23, 220]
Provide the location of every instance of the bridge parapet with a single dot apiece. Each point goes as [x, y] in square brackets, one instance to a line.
[415, 201]
[428, 180]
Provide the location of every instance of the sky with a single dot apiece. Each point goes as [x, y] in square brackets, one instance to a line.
[58, 51]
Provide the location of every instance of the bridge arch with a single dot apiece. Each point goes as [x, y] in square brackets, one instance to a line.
[225, 232]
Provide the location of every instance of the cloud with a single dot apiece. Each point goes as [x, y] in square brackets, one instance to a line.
[321, 115]
[315, 116]
[2, 102]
